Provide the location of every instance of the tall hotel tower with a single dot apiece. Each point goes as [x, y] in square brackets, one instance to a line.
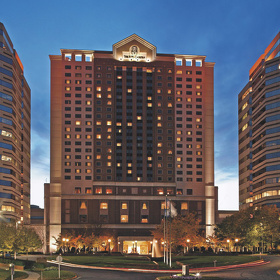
[259, 131]
[128, 128]
[14, 135]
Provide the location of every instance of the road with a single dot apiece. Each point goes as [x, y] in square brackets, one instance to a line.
[263, 272]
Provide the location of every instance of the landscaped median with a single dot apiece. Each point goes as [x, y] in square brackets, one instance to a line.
[44, 269]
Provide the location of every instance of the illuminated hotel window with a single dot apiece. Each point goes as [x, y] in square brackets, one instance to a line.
[119, 144]
[109, 150]
[179, 191]
[159, 124]
[129, 124]
[88, 102]
[109, 136]
[179, 72]
[109, 102]
[170, 152]
[150, 105]
[184, 206]
[169, 91]
[88, 163]
[98, 95]
[109, 163]
[144, 219]
[159, 165]
[109, 191]
[98, 88]
[88, 88]
[189, 99]
[198, 87]
[159, 104]
[119, 124]
[198, 120]
[88, 170]
[98, 156]
[179, 159]
[109, 89]
[129, 171]
[119, 164]
[109, 96]
[159, 91]
[149, 158]
[124, 218]
[67, 136]
[160, 191]
[129, 90]
[67, 157]
[124, 205]
[67, 88]
[68, 81]
[179, 92]
[198, 93]
[159, 118]
[77, 190]
[77, 170]
[98, 190]
[104, 205]
[88, 191]
[149, 97]
[98, 136]
[78, 122]
[88, 136]
[7, 208]
[139, 118]
[159, 144]
[77, 136]
[178, 132]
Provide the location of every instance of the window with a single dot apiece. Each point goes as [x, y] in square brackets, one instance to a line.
[184, 206]
[88, 190]
[77, 190]
[98, 190]
[104, 205]
[124, 218]
[124, 206]
[109, 191]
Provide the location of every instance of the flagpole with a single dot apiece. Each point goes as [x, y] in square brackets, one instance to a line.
[166, 234]
[164, 231]
[170, 233]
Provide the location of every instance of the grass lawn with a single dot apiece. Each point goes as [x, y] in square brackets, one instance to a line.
[53, 274]
[110, 261]
[208, 261]
[6, 275]
[143, 262]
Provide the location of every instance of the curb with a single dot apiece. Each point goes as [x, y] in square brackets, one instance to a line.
[202, 269]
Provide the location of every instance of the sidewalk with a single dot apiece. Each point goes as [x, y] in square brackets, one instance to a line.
[32, 275]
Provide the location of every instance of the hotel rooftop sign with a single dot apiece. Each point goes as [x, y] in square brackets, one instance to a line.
[134, 48]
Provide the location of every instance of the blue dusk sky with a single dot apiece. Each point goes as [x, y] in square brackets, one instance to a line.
[231, 33]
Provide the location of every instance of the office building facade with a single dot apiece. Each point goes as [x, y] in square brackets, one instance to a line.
[129, 127]
[14, 134]
[259, 131]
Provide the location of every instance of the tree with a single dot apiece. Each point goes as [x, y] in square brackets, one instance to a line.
[183, 228]
[252, 226]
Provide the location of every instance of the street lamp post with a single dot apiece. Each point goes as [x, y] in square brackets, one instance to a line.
[188, 241]
[236, 241]
[228, 244]
[109, 240]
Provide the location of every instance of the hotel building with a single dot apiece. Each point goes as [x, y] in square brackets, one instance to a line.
[259, 131]
[129, 127]
[14, 134]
